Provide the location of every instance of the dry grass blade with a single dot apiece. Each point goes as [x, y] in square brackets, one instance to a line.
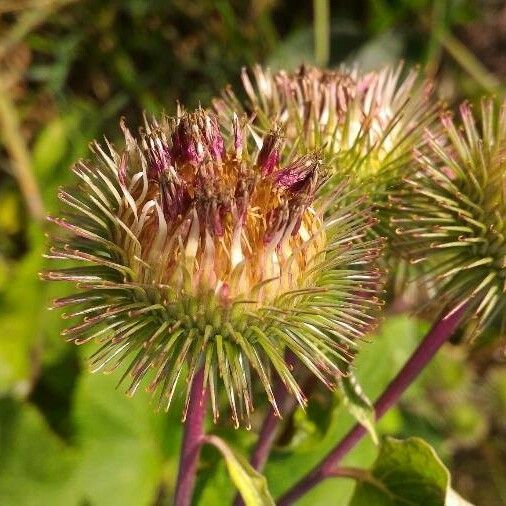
[18, 151]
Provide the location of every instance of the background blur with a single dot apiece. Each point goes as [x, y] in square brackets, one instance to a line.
[68, 70]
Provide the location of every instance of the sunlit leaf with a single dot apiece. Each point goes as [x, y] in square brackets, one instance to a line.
[21, 313]
[454, 499]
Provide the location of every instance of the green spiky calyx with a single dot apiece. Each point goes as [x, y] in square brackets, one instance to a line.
[366, 125]
[454, 213]
[198, 252]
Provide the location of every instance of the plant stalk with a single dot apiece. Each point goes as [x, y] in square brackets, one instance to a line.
[441, 331]
[193, 438]
[270, 426]
[10, 131]
[267, 437]
[321, 26]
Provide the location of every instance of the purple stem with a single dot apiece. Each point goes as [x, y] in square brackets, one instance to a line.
[270, 426]
[441, 331]
[193, 437]
[269, 430]
[267, 437]
[265, 441]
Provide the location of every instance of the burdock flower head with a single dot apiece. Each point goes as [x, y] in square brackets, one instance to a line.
[455, 212]
[204, 251]
[367, 125]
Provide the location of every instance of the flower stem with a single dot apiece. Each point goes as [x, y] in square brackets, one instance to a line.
[267, 436]
[321, 26]
[441, 331]
[193, 437]
[270, 426]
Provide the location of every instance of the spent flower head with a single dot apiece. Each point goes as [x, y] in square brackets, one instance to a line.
[454, 212]
[197, 249]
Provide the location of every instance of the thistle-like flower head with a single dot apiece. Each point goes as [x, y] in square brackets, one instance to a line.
[203, 250]
[454, 212]
[367, 125]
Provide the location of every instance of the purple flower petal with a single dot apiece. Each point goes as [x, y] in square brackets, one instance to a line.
[268, 157]
[298, 174]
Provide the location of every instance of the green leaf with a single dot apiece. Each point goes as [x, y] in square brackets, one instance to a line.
[385, 49]
[250, 483]
[298, 47]
[24, 314]
[21, 313]
[407, 472]
[379, 360]
[358, 404]
[36, 467]
[126, 447]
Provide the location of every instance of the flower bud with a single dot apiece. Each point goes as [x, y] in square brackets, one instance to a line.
[454, 213]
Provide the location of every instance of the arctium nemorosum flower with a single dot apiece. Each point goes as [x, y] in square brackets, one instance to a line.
[366, 124]
[454, 212]
[197, 250]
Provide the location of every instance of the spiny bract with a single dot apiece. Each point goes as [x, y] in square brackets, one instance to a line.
[455, 212]
[198, 249]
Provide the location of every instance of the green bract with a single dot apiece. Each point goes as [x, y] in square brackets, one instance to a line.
[197, 246]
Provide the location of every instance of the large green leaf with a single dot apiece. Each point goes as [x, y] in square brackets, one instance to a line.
[407, 472]
[127, 451]
[250, 483]
[36, 467]
[298, 48]
[378, 361]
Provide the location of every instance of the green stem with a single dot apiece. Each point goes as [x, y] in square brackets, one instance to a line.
[321, 26]
[468, 61]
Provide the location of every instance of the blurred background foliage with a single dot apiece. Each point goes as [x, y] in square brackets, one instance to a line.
[68, 70]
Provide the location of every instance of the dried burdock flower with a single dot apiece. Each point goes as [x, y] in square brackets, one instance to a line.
[366, 125]
[455, 212]
[200, 252]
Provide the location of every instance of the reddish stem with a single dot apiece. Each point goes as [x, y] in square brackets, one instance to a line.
[193, 437]
[269, 432]
[270, 426]
[441, 331]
